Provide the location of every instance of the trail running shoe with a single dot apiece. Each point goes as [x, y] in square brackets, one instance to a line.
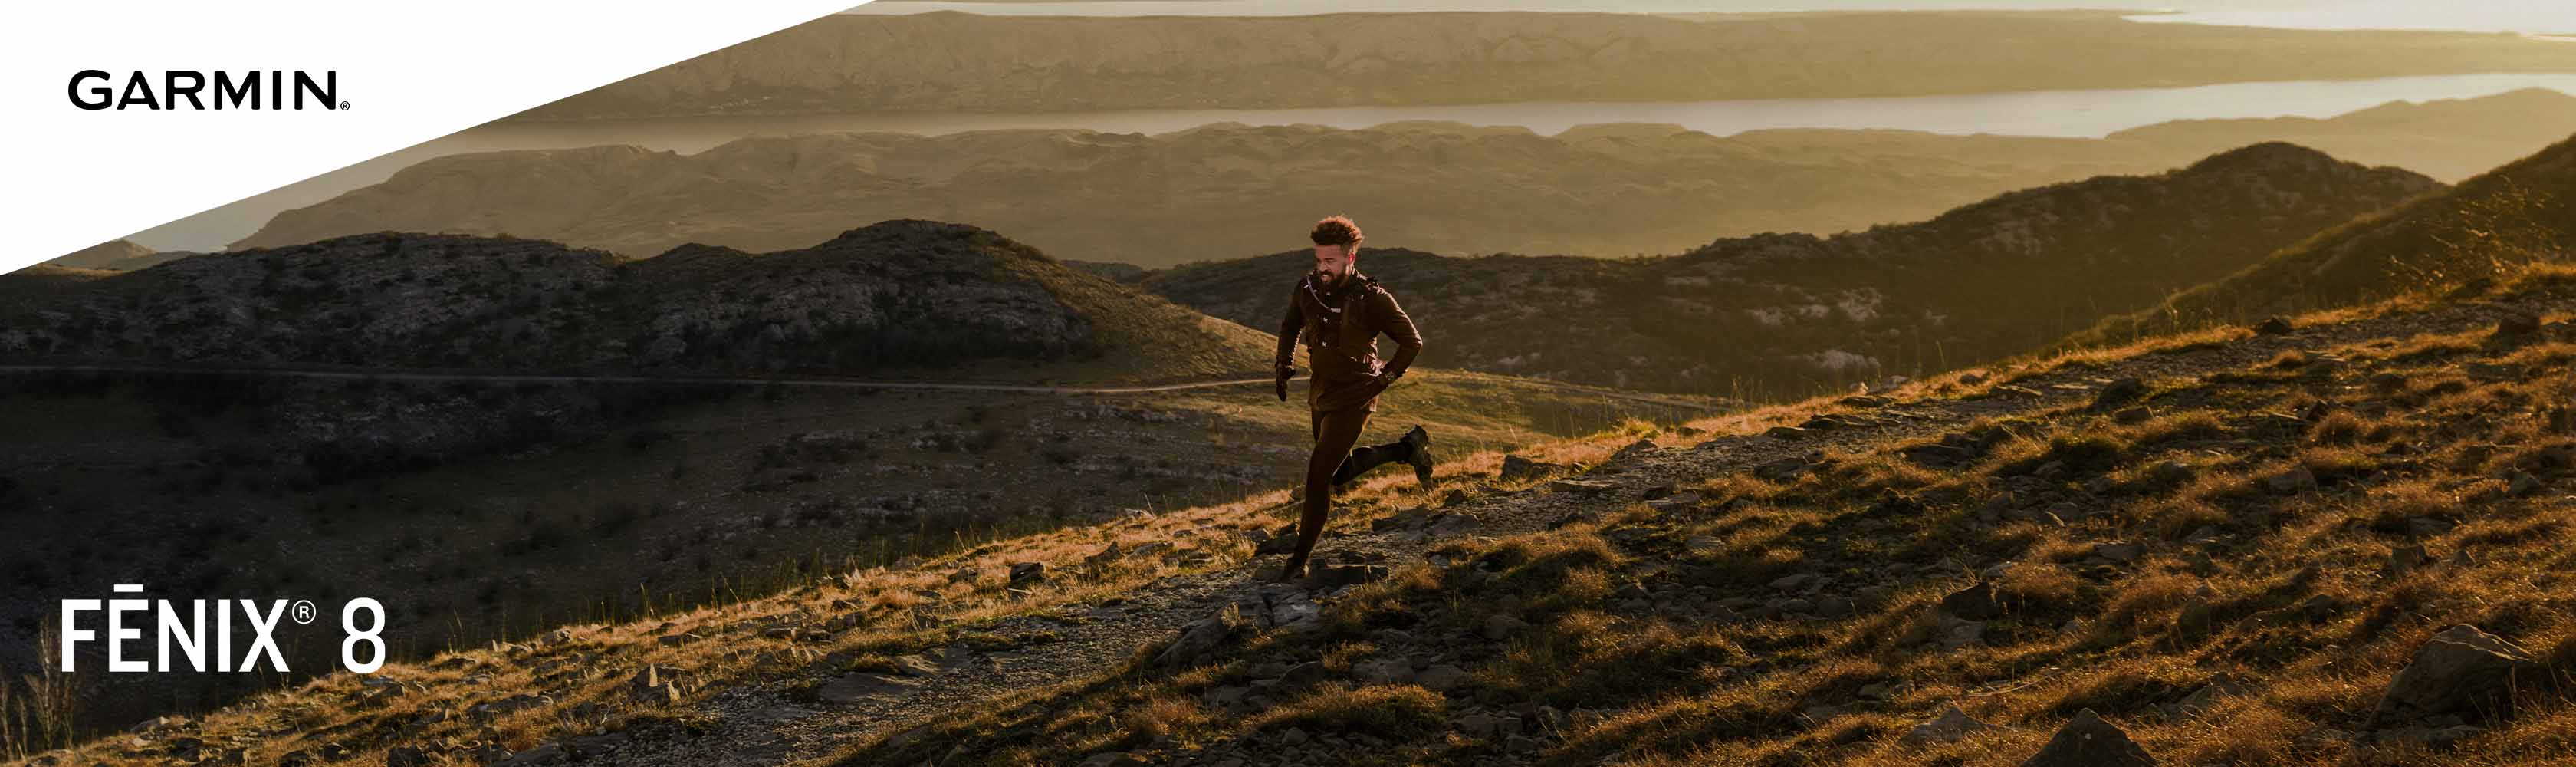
[1420, 441]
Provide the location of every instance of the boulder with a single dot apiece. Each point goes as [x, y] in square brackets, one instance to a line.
[1443, 678]
[2405, 559]
[2207, 697]
[1642, 447]
[1951, 726]
[546, 753]
[1198, 639]
[1517, 468]
[1303, 675]
[1330, 577]
[1781, 469]
[2088, 741]
[914, 665]
[657, 683]
[2461, 671]
[2123, 552]
[1281, 543]
[2516, 326]
[2297, 479]
[407, 756]
[1384, 671]
[1978, 602]
[2120, 391]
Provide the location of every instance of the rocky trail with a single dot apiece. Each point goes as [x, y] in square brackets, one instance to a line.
[766, 726]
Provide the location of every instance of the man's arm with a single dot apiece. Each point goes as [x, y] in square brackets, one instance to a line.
[1399, 326]
[1288, 327]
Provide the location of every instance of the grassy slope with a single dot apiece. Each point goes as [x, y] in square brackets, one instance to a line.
[689, 501]
[2481, 228]
[1636, 649]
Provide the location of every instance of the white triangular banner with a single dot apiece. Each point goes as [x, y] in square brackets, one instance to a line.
[408, 72]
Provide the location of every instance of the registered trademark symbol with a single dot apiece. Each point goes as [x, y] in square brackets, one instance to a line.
[303, 612]
[344, 106]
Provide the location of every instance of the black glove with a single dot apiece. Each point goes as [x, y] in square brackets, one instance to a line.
[1285, 372]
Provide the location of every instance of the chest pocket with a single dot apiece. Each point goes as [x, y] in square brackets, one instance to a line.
[1345, 333]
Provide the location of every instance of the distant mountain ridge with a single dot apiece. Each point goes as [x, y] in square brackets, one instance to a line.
[2473, 135]
[1225, 190]
[1794, 313]
[116, 255]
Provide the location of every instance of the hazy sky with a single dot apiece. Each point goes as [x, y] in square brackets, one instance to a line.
[2530, 16]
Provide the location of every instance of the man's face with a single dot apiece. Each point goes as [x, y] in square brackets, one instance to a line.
[1332, 261]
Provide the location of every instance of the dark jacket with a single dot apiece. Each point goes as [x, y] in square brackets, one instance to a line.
[1341, 324]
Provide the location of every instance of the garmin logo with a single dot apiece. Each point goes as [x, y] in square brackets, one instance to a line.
[273, 89]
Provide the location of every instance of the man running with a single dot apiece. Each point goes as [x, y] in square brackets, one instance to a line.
[1341, 312]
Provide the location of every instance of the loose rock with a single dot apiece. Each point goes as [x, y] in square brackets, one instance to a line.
[2461, 671]
[2088, 741]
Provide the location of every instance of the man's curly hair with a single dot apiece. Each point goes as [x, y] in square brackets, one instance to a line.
[1337, 230]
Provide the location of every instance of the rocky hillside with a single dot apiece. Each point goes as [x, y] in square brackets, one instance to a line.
[2340, 540]
[42, 281]
[2486, 226]
[966, 62]
[1793, 313]
[1226, 190]
[897, 298]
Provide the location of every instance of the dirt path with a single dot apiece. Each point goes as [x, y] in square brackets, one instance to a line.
[757, 727]
[791, 381]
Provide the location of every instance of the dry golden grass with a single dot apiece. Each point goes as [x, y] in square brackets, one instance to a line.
[2286, 592]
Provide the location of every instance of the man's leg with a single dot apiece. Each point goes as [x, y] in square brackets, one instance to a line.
[1335, 432]
[1369, 457]
[1413, 448]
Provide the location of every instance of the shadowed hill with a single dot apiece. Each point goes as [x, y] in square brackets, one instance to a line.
[43, 281]
[2487, 225]
[1794, 313]
[897, 298]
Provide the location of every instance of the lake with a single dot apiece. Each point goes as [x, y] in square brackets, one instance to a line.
[2074, 113]
[2524, 16]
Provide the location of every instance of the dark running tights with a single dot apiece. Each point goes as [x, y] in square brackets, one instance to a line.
[1333, 463]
